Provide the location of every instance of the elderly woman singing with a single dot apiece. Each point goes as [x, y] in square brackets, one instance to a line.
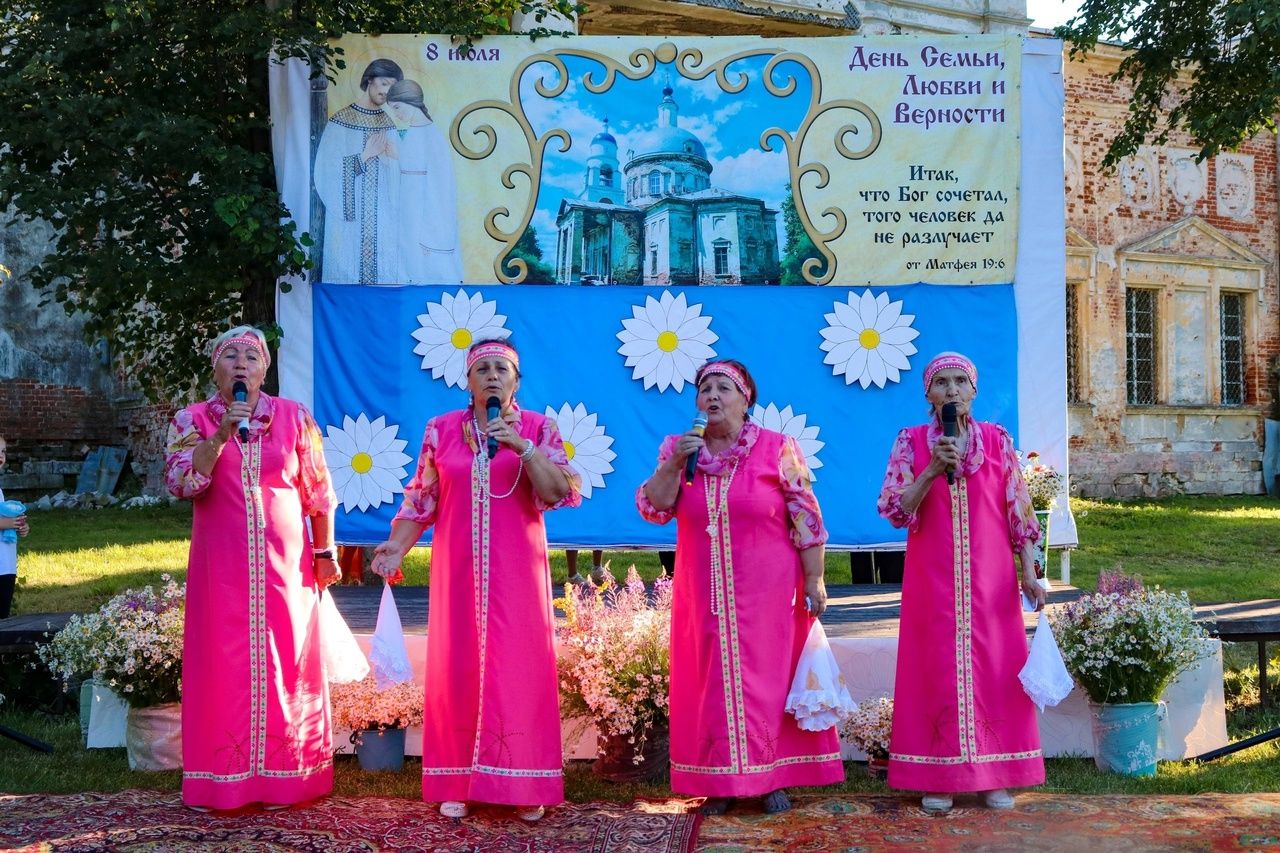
[492, 722]
[255, 706]
[961, 720]
[749, 552]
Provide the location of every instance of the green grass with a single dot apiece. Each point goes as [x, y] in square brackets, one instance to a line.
[1218, 549]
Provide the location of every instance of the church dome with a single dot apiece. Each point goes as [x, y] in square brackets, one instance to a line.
[676, 140]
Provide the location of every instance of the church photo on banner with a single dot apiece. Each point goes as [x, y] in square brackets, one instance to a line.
[832, 212]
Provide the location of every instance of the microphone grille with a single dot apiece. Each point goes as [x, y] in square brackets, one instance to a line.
[700, 420]
[492, 403]
[948, 412]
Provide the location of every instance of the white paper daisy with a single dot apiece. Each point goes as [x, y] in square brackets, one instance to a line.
[869, 339]
[789, 423]
[365, 461]
[666, 341]
[586, 444]
[448, 330]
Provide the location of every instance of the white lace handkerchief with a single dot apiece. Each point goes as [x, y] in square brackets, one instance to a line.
[343, 660]
[387, 652]
[1044, 677]
[819, 697]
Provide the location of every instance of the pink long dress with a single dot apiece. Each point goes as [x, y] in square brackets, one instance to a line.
[491, 730]
[255, 705]
[961, 721]
[738, 622]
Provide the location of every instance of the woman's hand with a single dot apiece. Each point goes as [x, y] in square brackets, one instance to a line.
[1032, 589]
[327, 571]
[387, 558]
[945, 456]
[690, 442]
[237, 411]
[504, 430]
[815, 590]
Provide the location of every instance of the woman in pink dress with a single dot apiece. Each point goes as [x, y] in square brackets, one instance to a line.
[491, 731]
[961, 721]
[255, 704]
[749, 553]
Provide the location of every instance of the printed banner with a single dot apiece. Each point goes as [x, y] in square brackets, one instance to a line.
[646, 161]
[858, 198]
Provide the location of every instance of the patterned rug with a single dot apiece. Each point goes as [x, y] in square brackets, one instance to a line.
[150, 821]
[1041, 822]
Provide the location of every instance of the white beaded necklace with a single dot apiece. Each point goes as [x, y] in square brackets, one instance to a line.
[482, 463]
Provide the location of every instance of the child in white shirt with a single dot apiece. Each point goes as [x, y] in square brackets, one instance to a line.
[8, 550]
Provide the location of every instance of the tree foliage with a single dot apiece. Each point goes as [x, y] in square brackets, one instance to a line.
[529, 250]
[1228, 49]
[797, 247]
[140, 130]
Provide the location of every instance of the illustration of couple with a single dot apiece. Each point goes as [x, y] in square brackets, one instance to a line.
[384, 171]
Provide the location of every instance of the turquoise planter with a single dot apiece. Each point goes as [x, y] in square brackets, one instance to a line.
[381, 750]
[86, 708]
[1126, 737]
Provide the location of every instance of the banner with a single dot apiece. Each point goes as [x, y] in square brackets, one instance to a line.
[855, 198]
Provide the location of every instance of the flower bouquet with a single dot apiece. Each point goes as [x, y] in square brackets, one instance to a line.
[1044, 482]
[1124, 644]
[132, 644]
[615, 669]
[868, 728]
[361, 707]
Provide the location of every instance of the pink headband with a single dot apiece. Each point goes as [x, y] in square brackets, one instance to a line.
[493, 349]
[734, 374]
[950, 360]
[240, 340]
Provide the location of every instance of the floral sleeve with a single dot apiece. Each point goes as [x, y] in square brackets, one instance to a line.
[900, 474]
[315, 486]
[422, 495]
[180, 475]
[807, 529]
[648, 511]
[550, 443]
[1023, 526]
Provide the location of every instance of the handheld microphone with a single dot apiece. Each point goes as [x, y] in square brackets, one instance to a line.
[950, 430]
[691, 465]
[493, 408]
[241, 393]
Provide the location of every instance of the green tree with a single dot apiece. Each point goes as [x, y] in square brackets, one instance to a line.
[798, 247]
[140, 130]
[528, 250]
[1229, 50]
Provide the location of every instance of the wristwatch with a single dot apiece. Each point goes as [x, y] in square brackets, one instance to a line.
[322, 554]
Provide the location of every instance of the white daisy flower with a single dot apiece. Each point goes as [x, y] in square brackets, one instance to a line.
[365, 461]
[869, 339]
[448, 330]
[789, 423]
[585, 443]
[666, 341]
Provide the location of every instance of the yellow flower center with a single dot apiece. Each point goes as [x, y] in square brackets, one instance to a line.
[870, 339]
[668, 341]
[362, 463]
[568, 449]
[461, 338]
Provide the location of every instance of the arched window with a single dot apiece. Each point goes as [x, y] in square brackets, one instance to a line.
[606, 176]
[655, 183]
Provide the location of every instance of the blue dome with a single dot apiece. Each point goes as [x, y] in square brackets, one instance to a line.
[604, 136]
[677, 140]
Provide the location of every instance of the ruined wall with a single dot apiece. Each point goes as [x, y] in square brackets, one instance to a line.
[1187, 232]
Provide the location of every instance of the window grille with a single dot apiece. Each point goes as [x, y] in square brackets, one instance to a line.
[1073, 344]
[1231, 342]
[1142, 346]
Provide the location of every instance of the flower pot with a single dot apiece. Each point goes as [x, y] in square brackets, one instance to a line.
[86, 708]
[617, 761]
[380, 749]
[153, 737]
[877, 767]
[1126, 737]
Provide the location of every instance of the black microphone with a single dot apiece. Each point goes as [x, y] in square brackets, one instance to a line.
[699, 427]
[241, 393]
[494, 407]
[950, 431]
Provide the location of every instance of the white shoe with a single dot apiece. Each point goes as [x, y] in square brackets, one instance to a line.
[998, 799]
[532, 814]
[599, 575]
[936, 803]
[574, 580]
[454, 809]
